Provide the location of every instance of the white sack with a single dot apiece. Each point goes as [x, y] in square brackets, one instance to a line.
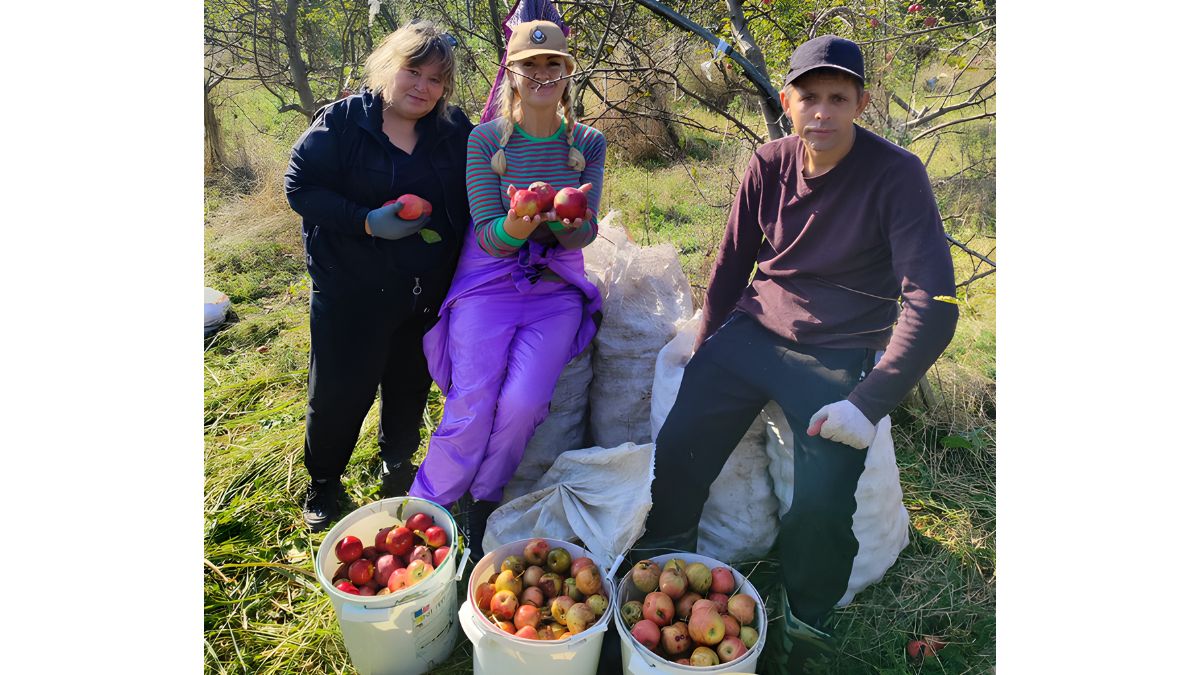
[740, 518]
[599, 497]
[563, 429]
[880, 521]
[645, 293]
[216, 305]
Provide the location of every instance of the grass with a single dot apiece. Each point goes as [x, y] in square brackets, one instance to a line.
[266, 613]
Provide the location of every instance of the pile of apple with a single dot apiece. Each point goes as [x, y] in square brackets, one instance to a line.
[540, 197]
[687, 613]
[403, 556]
[543, 594]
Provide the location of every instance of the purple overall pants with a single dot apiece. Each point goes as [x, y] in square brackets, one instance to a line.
[502, 340]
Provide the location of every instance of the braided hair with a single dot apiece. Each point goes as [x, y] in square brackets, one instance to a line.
[508, 104]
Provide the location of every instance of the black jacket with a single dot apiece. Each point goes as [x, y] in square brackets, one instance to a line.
[344, 166]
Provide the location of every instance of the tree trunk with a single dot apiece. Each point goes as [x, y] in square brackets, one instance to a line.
[214, 152]
[296, 65]
[769, 109]
[497, 34]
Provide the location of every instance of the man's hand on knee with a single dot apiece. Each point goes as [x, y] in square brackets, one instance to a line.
[843, 422]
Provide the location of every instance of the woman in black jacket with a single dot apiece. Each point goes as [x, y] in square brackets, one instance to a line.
[379, 271]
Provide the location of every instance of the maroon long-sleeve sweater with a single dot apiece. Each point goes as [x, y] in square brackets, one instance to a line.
[836, 254]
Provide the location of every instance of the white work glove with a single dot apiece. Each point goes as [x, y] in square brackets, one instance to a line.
[843, 422]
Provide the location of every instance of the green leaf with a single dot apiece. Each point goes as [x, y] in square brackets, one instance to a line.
[430, 236]
[956, 442]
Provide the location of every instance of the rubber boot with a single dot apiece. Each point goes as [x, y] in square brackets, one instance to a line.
[477, 515]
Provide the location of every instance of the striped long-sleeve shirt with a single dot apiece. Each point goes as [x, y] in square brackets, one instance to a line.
[530, 159]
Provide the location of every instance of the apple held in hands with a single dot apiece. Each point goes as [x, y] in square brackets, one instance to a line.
[524, 204]
[570, 204]
[411, 207]
[545, 195]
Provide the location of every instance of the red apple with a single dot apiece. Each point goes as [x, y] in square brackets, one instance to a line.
[483, 596]
[659, 608]
[348, 549]
[361, 571]
[914, 8]
[570, 204]
[647, 633]
[545, 195]
[526, 615]
[722, 580]
[504, 605]
[673, 583]
[743, 608]
[419, 521]
[536, 552]
[580, 563]
[420, 553]
[732, 627]
[675, 639]
[411, 207]
[381, 538]
[371, 553]
[730, 649]
[524, 203]
[588, 581]
[930, 21]
[384, 567]
[347, 587]
[720, 600]
[683, 606]
[399, 541]
[527, 632]
[435, 536]
[440, 554]
[874, 22]
[398, 580]
[559, 607]
[533, 596]
[551, 584]
[645, 575]
[366, 590]
[705, 626]
[507, 627]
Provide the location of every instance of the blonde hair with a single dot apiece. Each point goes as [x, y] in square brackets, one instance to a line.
[416, 44]
[509, 100]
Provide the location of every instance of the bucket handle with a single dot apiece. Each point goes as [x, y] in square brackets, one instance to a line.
[612, 570]
[361, 614]
[462, 564]
[469, 625]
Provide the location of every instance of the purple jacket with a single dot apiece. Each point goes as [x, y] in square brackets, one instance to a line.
[476, 267]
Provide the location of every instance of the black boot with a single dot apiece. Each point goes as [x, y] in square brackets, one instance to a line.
[321, 503]
[397, 479]
[477, 515]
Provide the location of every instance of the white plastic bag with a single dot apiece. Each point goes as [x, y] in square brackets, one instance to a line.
[597, 496]
[880, 521]
[645, 294]
[740, 519]
[563, 429]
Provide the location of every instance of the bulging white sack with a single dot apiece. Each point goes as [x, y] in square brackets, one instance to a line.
[880, 521]
[645, 294]
[599, 497]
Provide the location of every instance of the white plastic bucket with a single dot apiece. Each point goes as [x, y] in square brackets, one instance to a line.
[403, 633]
[637, 660]
[498, 653]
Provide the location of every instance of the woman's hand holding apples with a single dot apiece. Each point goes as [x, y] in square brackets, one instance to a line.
[523, 216]
[385, 222]
[571, 206]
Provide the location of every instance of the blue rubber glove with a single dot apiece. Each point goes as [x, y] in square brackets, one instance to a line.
[385, 224]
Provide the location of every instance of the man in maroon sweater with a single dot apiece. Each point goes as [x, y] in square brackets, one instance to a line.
[851, 259]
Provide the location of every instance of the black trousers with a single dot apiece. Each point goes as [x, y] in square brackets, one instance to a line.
[726, 384]
[362, 344]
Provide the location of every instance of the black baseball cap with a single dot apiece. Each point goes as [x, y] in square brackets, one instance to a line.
[827, 51]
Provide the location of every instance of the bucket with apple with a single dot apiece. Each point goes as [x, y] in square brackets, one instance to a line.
[537, 605]
[687, 613]
[390, 568]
